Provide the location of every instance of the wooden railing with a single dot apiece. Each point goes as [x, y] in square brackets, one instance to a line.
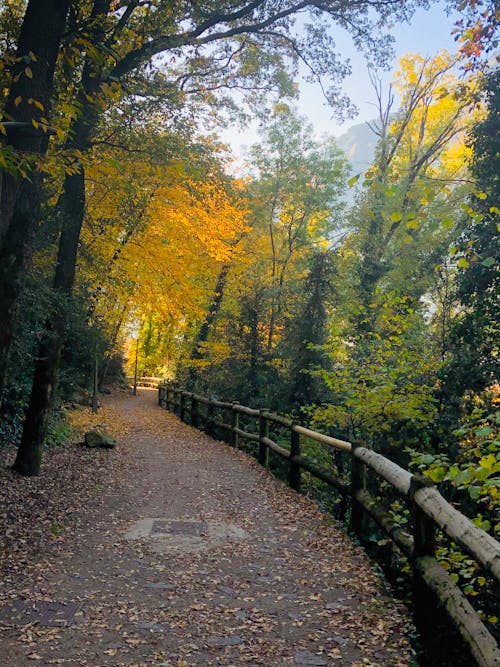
[428, 507]
[145, 381]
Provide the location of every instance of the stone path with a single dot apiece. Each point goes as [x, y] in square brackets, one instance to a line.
[188, 553]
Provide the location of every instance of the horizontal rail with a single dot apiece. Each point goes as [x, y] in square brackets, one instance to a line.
[483, 646]
[324, 476]
[385, 521]
[242, 409]
[325, 439]
[398, 477]
[429, 507]
[222, 404]
[476, 542]
[281, 451]
[249, 436]
[277, 419]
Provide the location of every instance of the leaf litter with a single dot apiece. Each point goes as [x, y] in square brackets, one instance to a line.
[295, 591]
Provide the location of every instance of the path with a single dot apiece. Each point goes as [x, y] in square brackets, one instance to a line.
[177, 550]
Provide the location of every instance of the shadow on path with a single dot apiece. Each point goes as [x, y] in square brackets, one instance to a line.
[186, 552]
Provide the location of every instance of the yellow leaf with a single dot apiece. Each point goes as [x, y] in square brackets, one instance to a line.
[3, 130]
[18, 100]
[396, 217]
[110, 651]
[28, 72]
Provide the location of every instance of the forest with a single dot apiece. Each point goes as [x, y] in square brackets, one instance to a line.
[364, 305]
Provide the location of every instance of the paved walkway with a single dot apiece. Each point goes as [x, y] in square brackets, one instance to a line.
[177, 550]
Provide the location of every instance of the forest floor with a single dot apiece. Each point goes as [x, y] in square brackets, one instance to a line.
[174, 549]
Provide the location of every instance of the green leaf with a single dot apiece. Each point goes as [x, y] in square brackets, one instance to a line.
[474, 492]
[396, 217]
[489, 261]
[483, 430]
[352, 181]
[437, 474]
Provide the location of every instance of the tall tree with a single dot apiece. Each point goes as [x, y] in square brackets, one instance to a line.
[216, 47]
[474, 360]
[400, 229]
[25, 130]
[307, 336]
[295, 201]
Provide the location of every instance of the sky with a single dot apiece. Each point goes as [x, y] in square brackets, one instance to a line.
[428, 33]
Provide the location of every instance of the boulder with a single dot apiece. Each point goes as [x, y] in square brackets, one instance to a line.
[98, 438]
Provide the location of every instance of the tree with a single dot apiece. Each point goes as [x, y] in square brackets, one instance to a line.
[217, 47]
[298, 194]
[473, 360]
[402, 223]
[307, 336]
[25, 129]
[400, 229]
[295, 208]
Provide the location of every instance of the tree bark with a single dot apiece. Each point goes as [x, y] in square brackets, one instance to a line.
[71, 207]
[32, 80]
[29, 455]
[20, 197]
[213, 311]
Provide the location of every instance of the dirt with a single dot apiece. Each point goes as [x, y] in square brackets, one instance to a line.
[175, 549]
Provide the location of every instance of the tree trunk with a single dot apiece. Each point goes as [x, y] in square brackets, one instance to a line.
[15, 260]
[20, 198]
[71, 207]
[29, 455]
[32, 79]
[213, 311]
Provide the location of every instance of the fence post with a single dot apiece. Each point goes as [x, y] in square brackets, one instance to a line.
[195, 415]
[160, 395]
[358, 482]
[263, 433]
[210, 426]
[167, 397]
[182, 406]
[424, 538]
[235, 424]
[176, 399]
[294, 477]
[425, 607]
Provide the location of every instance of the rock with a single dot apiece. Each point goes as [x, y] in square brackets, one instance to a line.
[99, 439]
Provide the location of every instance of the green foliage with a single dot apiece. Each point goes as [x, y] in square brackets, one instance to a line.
[381, 388]
[60, 431]
[473, 475]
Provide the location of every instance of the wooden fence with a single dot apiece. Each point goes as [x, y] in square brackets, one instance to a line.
[144, 381]
[428, 507]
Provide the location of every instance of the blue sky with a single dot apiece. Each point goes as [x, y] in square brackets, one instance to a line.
[428, 33]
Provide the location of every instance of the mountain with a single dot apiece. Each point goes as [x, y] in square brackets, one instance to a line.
[358, 143]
